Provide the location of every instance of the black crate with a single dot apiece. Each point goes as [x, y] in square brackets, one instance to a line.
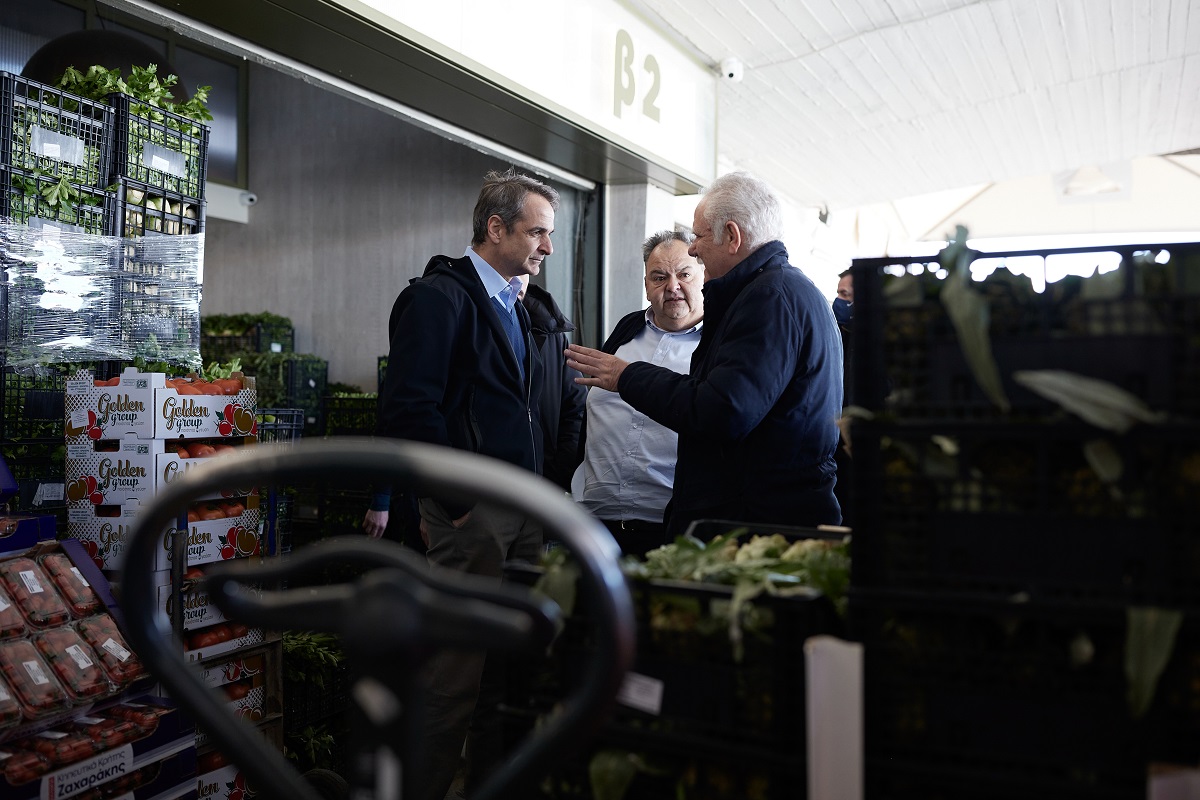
[159, 149]
[307, 703]
[143, 210]
[34, 199]
[350, 415]
[160, 320]
[305, 381]
[32, 405]
[713, 693]
[54, 133]
[1033, 692]
[1004, 509]
[261, 339]
[280, 425]
[1135, 327]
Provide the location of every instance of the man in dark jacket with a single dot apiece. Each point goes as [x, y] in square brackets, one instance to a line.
[462, 373]
[562, 399]
[757, 413]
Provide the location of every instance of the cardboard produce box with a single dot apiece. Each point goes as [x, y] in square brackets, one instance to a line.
[148, 405]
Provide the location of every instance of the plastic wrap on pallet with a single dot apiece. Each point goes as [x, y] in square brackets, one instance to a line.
[161, 279]
[61, 296]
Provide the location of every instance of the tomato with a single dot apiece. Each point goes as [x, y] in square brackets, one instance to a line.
[237, 630]
[74, 662]
[202, 450]
[202, 639]
[116, 658]
[76, 591]
[31, 679]
[222, 632]
[22, 766]
[238, 690]
[11, 621]
[209, 761]
[182, 452]
[33, 592]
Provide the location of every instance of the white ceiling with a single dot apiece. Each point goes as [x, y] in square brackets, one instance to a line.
[848, 102]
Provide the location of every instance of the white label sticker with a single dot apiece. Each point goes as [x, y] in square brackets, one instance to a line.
[159, 163]
[276, 347]
[35, 673]
[79, 575]
[78, 656]
[79, 418]
[641, 692]
[118, 652]
[32, 584]
[51, 150]
[48, 493]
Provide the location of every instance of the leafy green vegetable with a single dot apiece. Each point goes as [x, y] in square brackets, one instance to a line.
[143, 84]
[215, 371]
[1149, 641]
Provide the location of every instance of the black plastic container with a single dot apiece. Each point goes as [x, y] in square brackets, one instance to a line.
[350, 416]
[1003, 509]
[159, 148]
[25, 197]
[1135, 327]
[1028, 695]
[58, 134]
[261, 339]
[140, 209]
[283, 425]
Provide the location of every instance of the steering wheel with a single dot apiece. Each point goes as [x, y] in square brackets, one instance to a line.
[401, 607]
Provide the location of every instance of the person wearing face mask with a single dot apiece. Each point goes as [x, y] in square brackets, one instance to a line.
[843, 312]
[628, 468]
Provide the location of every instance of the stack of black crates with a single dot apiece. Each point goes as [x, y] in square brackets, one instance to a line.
[996, 567]
[106, 169]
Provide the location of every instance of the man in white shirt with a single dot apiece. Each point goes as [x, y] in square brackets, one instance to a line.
[628, 468]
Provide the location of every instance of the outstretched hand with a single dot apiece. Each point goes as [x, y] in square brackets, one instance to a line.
[598, 368]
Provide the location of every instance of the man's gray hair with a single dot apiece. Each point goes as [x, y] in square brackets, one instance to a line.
[748, 201]
[503, 194]
[662, 237]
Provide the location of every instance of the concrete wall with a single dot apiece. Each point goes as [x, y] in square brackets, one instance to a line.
[351, 204]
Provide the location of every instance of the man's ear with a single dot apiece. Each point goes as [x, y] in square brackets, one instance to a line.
[495, 227]
[733, 237]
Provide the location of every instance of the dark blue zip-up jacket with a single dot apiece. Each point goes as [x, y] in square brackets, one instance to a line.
[757, 413]
[452, 378]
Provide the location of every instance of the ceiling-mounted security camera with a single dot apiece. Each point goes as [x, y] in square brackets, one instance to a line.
[732, 69]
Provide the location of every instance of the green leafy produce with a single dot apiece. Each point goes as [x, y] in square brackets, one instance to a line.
[142, 83]
[240, 324]
[310, 657]
[216, 371]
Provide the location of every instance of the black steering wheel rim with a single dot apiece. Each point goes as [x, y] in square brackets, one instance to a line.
[428, 469]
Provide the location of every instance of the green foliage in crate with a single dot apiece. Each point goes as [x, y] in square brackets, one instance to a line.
[310, 657]
[240, 324]
[312, 747]
[270, 371]
[144, 85]
[44, 196]
[34, 106]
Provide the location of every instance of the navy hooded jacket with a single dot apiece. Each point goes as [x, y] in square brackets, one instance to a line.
[757, 413]
[452, 378]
